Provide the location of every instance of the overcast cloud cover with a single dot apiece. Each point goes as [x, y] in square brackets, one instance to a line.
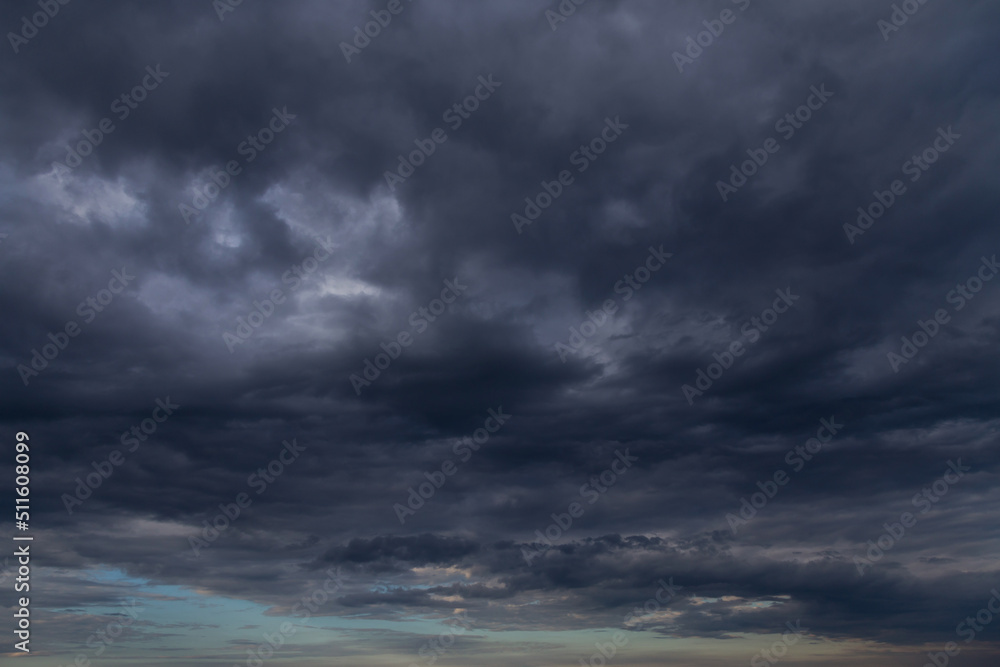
[413, 499]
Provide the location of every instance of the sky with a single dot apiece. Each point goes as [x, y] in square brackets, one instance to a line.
[533, 333]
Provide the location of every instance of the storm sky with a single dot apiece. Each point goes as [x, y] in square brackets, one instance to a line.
[503, 333]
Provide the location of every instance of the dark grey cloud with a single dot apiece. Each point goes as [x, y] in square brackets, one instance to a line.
[242, 266]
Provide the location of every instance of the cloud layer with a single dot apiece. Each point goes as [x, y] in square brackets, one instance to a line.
[376, 257]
